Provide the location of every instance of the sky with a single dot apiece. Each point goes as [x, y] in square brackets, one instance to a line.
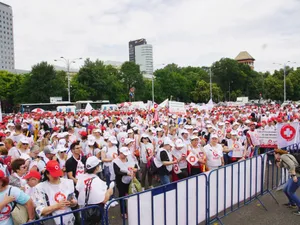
[185, 32]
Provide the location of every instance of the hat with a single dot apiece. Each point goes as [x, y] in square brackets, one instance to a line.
[184, 132]
[179, 143]
[32, 174]
[2, 134]
[125, 151]
[53, 168]
[91, 141]
[92, 162]
[10, 125]
[128, 141]
[49, 150]
[24, 141]
[159, 129]
[214, 136]
[135, 128]
[144, 135]
[221, 123]
[2, 174]
[130, 131]
[97, 131]
[113, 140]
[234, 132]
[83, 133]
[61, 135]
[168, 141]
[61, 148]
[208, 126]
[7, 131]
[194, 137]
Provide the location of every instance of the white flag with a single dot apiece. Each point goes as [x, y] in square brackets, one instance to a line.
[88, 108]
[192, 159]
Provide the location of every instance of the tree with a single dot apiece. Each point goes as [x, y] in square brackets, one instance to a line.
[42, 83]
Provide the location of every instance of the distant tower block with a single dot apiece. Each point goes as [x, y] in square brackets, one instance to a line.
[245, 58]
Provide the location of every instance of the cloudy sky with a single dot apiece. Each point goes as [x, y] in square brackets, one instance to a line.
[186, 32]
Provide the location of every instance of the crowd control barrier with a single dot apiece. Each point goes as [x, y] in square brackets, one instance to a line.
[204, 198]
[59, 219]
[177, 203]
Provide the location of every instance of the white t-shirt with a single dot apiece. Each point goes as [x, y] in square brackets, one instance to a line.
[98, 189]
[214, 155]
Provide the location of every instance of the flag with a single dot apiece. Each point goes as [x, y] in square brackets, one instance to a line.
[176, 168]
[192, 158]
[88, 108]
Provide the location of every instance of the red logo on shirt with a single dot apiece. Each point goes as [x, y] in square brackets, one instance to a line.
[115, 155]
[6, 210]
[192, 159]
[59, 197]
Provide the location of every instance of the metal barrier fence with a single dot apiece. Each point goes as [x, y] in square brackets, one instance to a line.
[206, 197]
[58, 219]
[177, 203]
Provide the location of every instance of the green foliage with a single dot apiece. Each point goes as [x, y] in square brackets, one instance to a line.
[96, 81]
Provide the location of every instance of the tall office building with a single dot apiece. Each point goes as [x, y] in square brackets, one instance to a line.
[132, 45]
[144, 58]
[7, 58]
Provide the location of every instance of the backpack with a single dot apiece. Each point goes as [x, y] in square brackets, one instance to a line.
[152, 168]
[297, 157]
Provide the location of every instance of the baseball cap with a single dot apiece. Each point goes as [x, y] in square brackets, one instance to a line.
[113, 140]
[168, 141]
[234, 132]
[61, 135]
[53, 168]
[194, 137]
[159, 129]
[184, 131]
[61, 148]
[92, 162]
[130, 131]
[83, 133]
[125, 151]
[7, 131]
[97, 131]
[179, 143]
[24, 141]
[32, 174]
[214, 136]
[91, 141]
[49, 150]
[128, 141]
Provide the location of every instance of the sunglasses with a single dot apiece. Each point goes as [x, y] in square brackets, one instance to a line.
[63, 152]
[24, 144]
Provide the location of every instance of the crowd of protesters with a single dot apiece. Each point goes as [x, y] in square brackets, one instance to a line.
[49, 159]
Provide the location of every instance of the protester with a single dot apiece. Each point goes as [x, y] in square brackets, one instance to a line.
[285, 160]
[10, 194]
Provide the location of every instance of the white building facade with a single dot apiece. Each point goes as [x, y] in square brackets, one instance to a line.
[7, 57]
[144, 58]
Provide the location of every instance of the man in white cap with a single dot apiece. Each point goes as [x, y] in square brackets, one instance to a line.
[179, 153]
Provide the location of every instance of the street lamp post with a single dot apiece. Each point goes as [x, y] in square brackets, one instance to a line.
[68, 63]
[210, 84]
[284, 77]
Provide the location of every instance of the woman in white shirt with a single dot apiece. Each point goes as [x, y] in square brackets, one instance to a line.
[214, 153]
[235, 147]
[99, 193]
[55, 195]
[146, 153]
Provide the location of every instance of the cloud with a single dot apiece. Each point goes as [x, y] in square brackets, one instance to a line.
[186, 32]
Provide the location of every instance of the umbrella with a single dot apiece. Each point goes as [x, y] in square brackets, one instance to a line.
[37, 110]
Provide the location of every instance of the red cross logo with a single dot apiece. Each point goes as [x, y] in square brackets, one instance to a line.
[270, 141]
[192, 159]
[160, 142]
[59, 197]
[235, 145]
[288, 132]
[240, 133]
[215, 153]
[136, 121]
[176, 168]
[5, 210]
[155, 106]
[149, 150]
[122, 139]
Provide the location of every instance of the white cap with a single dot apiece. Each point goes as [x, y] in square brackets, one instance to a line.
[92, 162]
[125, 151]
[7, 131]
[221, 123]
[24, 140]
[106, 135]
[195, 131]
[61, 148]
[62, 142]
[168, 141]
[144, 135]
[10, 125]
[194, 137]
[61, 135]
[128, 141]
[91, 140]
[179, 143]
[234, 132]
[97, 131]
[208, 126]
[235, 123]
[135, 128]
[113, 140]
[130, 131]
[184, 131]
[213, 135]
[158, 129]
[247, 121]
